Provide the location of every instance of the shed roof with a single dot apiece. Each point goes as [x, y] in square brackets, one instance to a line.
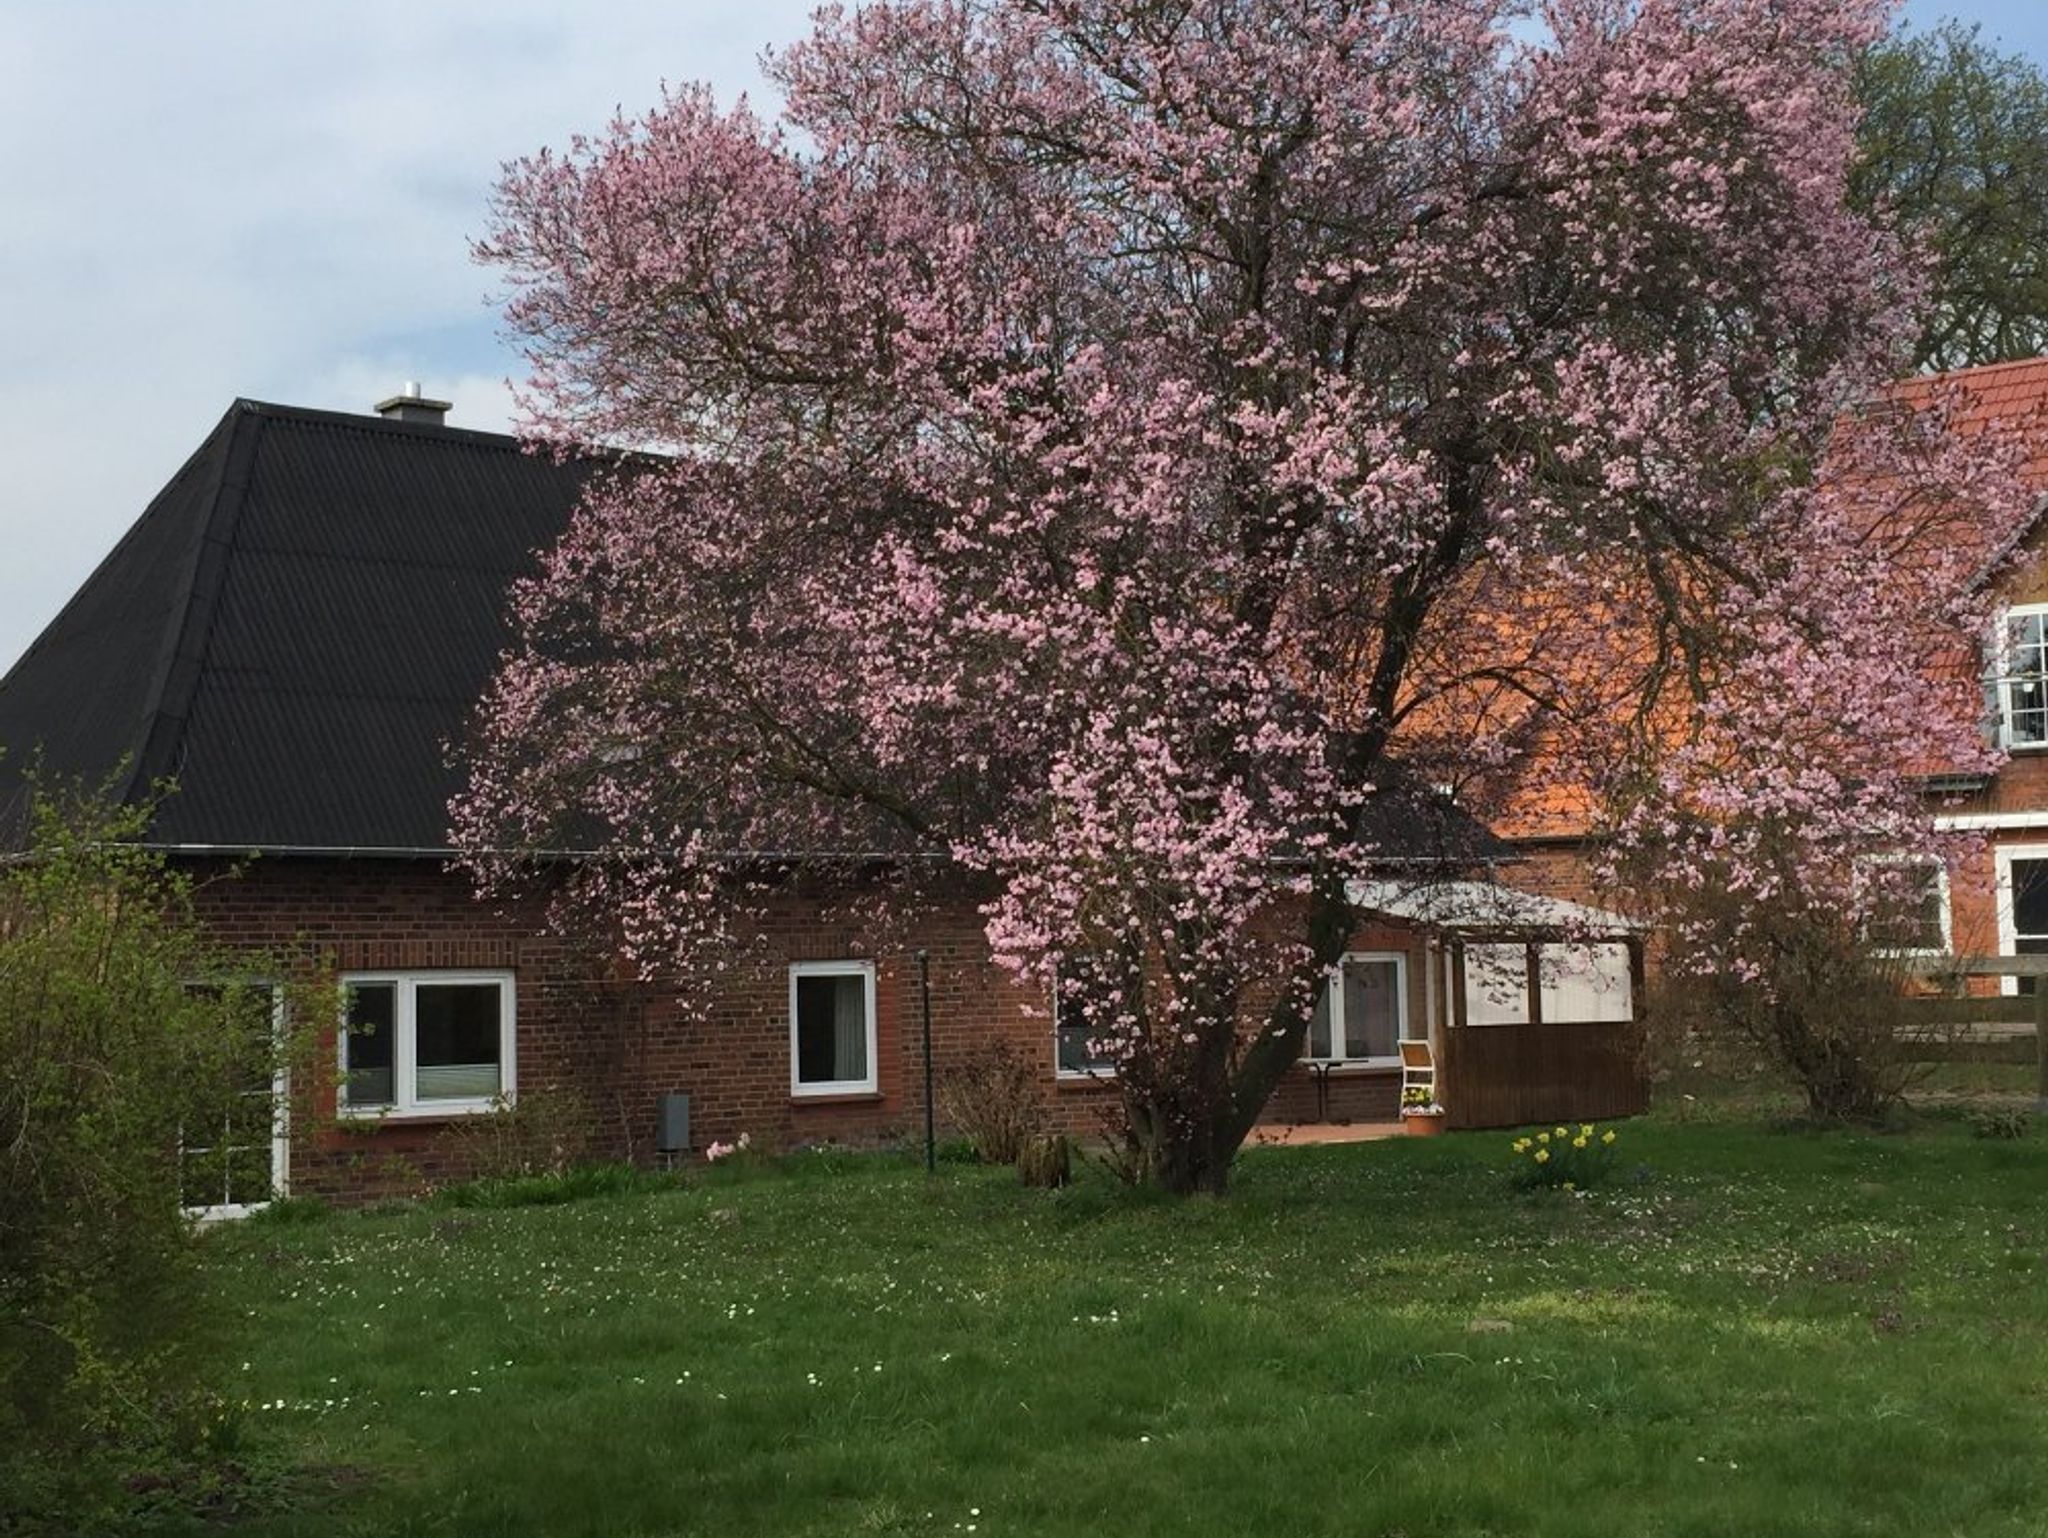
[1472, 906]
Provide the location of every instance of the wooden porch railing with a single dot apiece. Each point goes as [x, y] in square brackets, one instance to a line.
[1518, 1075]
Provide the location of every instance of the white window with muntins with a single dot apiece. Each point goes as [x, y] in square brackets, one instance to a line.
[1911, 908]
[2018, 679]
[240, 1162]
[1362, 1013]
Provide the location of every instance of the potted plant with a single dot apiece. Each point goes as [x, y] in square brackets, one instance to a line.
[1421, 1116]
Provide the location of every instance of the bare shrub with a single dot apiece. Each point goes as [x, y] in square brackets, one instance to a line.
[992, 1099]
[1830, 1014]
[546, 1131]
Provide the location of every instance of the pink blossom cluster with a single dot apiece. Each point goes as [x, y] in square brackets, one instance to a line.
[717, 1150]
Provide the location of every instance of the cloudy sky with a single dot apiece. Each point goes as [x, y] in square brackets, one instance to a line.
[211, 198]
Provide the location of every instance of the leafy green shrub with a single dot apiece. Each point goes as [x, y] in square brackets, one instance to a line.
[1567, 1158]
[130, 1088]
[2008, 1125]
[292, 1210]
[993, 1100]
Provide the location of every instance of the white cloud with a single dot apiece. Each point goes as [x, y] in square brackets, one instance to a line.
[213, 198]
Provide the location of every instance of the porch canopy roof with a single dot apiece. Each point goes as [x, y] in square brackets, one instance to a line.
[1486, 906]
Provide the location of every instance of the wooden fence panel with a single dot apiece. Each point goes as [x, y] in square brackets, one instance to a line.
[1516, 1075]
[2034, 966]
[1959, 1013]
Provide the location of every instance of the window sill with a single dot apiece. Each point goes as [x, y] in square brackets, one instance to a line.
[848, 1097]
[232, 1212]
[369, 1118]
[1084, 1081]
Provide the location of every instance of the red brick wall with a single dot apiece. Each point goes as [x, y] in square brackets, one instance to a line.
[620, 1045]
[1555, 869]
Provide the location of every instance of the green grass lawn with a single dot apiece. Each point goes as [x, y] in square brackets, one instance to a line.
[1761, 1333]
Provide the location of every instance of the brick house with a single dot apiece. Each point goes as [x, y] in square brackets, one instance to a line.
[1995, 898]
[1996, 901]
[296, 631]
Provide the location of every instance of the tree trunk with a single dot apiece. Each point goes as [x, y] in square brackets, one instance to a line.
[1184, 1137]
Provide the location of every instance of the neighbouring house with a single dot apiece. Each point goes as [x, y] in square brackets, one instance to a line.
[1994, 897]
[296, 632]
[1996, 900]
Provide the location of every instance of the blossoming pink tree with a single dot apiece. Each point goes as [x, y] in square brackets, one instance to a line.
[1097, 433]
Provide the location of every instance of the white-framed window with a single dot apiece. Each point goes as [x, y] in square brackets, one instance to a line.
[1072, 1057]
[2018, 678]
[2022, 873]
[426, 1043]
[1911, 914]
[241, 1162]
[832, 1028]
[1363, 1011]
[1497, 983]
[1585, 982]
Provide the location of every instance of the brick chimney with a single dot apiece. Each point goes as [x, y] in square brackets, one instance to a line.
[410, 406]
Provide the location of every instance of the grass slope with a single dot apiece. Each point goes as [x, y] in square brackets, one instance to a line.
[1769, 1334]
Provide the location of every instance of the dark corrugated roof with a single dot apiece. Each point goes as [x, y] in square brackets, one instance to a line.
[302, 621]
[295, 630]
[1406, 820]
[82, 694]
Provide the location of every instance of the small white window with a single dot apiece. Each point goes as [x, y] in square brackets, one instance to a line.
[426, 1043]
[2019, 677]
[1497, 984]
[832, 1028]
[1363, 1012]
[1585, 984]
[1073, 1056]
[1910, 913]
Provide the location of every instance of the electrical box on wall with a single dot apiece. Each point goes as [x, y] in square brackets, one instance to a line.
[673, 1136]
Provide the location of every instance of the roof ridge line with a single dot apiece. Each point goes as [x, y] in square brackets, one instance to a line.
[1967, 371]
[357, 421]
[169, 700]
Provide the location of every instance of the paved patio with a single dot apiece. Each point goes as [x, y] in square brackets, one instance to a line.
[1300, 1132]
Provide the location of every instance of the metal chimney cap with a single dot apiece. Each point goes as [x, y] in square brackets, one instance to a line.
[411, 406]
